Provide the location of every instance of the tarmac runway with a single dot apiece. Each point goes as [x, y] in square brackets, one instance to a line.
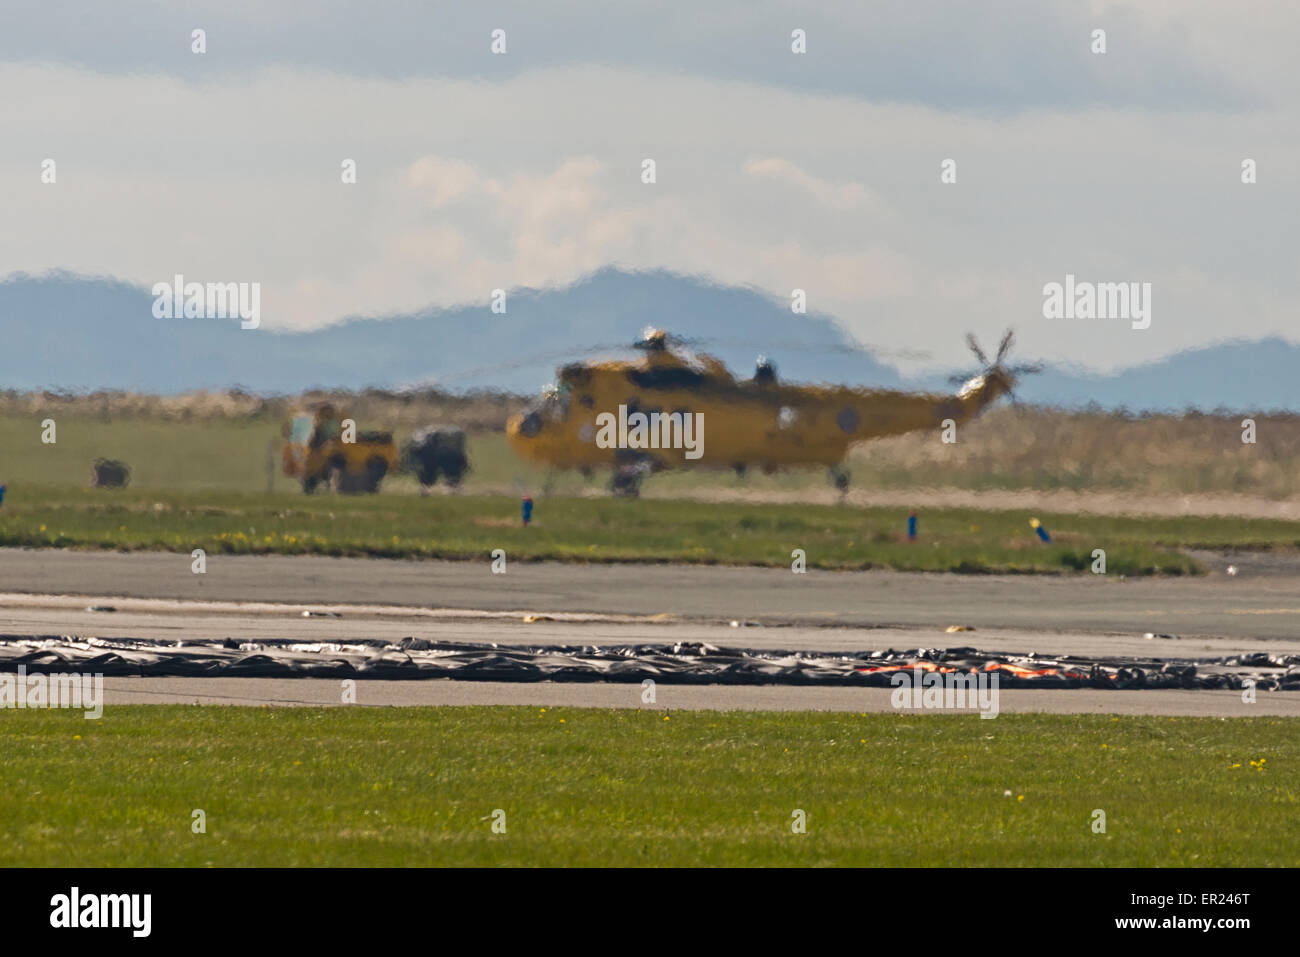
[193, 621]
[1261, 602]
[155, 595]
[549, 694]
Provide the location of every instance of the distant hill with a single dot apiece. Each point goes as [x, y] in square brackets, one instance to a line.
[62, 331]
[69, 332]
[1260, 375]
[1256, 375]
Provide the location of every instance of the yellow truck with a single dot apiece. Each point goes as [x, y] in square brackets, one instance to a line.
[323, 448]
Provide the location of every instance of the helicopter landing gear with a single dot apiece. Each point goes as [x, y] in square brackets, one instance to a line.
[626, 481]
[839, 476]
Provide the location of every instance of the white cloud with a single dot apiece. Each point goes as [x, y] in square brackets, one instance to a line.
[464, 187]
[832, 195]
[442, 182]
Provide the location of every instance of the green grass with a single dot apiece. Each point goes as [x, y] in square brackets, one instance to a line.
[222, 444]
[222, 453]
[418, 786]
[204, 485]
[609, 530]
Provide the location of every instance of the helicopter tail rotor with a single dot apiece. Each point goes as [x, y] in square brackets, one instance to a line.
[974, 346]
[1012, 373]
[1005, 346]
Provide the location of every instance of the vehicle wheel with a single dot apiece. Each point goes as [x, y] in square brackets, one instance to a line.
[376, 469]
[840, 476]
[625, 484]
[309, 484]
[336, 475]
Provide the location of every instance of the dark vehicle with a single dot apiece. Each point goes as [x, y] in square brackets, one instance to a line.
[109, 473]
[436, 451]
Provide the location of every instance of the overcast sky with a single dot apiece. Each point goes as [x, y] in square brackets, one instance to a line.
[817, 171]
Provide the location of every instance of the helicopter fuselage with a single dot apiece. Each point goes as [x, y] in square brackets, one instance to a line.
[752, 423]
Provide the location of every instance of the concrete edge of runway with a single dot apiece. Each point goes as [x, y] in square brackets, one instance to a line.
[324, 692]
[448, 692]
[184, 606]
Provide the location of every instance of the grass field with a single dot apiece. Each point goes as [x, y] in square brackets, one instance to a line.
[419, 786]
[223, 446]
[204, 484]
[613, 530]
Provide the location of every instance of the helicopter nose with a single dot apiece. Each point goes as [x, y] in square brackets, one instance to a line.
[524, 425]
[531, 425]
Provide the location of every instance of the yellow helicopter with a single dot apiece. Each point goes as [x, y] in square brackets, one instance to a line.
[673, 409]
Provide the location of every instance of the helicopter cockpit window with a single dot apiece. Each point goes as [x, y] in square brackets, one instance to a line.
[553, 406]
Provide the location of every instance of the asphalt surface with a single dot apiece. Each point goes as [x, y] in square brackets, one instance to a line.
[155, 595]
[549, 694]
[1262, 602]
[193, 621]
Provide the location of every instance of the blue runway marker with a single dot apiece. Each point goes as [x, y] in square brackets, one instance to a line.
[527, 510]
[911, 527]
[1042, 532]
